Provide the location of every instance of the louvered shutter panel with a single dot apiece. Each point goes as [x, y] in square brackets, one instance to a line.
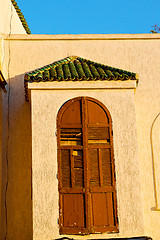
[71, 169]
[66, 168]
[102, 189]
[86, 168]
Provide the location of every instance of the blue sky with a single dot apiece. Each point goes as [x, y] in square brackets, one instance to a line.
[90, 16]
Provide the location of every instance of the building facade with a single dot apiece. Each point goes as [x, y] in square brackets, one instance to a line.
[116, 119]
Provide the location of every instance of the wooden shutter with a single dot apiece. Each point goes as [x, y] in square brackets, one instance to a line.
[101, 171]
[71, 169]
[86, 168]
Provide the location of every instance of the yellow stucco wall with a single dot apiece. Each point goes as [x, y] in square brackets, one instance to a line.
[9, 20]
[45, 106]
[137, 53]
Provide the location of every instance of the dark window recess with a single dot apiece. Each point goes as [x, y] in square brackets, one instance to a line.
[86, 168]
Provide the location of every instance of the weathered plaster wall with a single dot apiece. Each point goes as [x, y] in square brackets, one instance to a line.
[1, 133]
[137, 53]
[5, 179]
[3, 162]
[155, 146]
[45, 106]
[16, 155]
[9, 20]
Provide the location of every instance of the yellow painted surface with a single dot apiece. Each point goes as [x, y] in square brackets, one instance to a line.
[129, 84]
[45, 106]
[155, 146]
[9, 20]
[136, 53]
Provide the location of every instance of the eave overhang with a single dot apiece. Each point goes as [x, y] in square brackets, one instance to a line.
[78, 73]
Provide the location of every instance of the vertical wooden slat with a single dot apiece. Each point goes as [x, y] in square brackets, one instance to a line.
[59, 177]
[100, 167]
[106, 166]
[110, 208]
[94, 167]
[61, 212]
[59, 156]
[65, 168]
[91, 214]
[79, 169]
[72, 169]
[79, 182]
[113, 176]
[112, 154]
[86, 164]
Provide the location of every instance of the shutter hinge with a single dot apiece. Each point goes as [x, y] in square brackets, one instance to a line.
[112, 132]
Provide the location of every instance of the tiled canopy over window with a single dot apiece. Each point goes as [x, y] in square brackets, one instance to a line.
[77, 69]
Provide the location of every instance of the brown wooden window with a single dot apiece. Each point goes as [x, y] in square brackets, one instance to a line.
[87, 196]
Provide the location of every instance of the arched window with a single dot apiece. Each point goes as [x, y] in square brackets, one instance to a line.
[87, 196]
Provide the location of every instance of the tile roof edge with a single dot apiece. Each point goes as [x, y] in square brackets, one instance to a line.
[72, 58]
[29, 76]
[21, 17]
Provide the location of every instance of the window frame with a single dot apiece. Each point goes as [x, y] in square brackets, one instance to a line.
[89, 228]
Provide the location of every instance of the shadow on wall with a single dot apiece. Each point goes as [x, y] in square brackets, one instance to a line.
[17, 194]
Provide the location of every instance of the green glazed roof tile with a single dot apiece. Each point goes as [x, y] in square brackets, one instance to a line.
[80, 71]
[67, 73]
[73, 70]
[102, 73]
[53, 73]
[21, 17]
[94, 71]
[77, 69]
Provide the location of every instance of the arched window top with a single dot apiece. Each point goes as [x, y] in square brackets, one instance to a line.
[86, 168]
[96, 112]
